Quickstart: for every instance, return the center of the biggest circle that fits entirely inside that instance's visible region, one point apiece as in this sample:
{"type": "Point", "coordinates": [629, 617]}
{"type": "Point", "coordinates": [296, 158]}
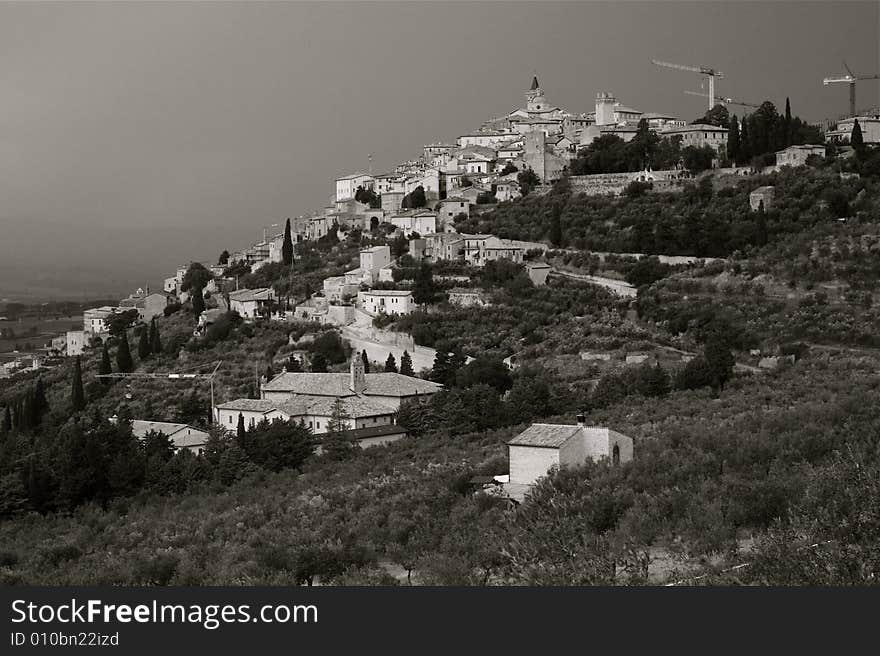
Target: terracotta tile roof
{"type": "Point", "coordinates": [339, 384]}
{"type": "Point", "coordinates": [249, 405]}
{"type": "Point", "coordinates": [310, 383]}
{"type": "Point", "coordinates": [554, 435]}
{"type": "Point", "coordinates": [388, 292]}
{"type": "Point", "coordinates": [356, 407]}
{"type": "Point", "coordinates": [245, 295]}
{"type": "Point", "coordinates": [545, 435]}
{"type": "Point", "coordinates": [301, 405]}
{"type": "Point", "coordinates": [181, 435]}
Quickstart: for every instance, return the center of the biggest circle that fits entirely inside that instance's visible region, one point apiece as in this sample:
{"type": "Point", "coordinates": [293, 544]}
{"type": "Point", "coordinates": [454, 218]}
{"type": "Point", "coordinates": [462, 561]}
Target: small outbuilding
{"type": "Point", "coordinates": [762, 194]}
{"type": "Point", "coordinates": [539, 448]}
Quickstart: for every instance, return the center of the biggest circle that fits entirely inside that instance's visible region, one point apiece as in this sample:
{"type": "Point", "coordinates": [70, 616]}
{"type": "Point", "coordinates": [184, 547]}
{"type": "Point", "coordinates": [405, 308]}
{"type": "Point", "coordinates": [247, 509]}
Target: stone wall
{"type": "Point", "coordinates": [614, 183]}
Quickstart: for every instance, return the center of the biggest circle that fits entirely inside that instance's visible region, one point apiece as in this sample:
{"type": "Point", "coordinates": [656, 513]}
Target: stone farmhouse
{"type": "Point", "coordinates": [480, 249]}
{"type": "Point", "coordinates": [699, 134]}
{"type": "Point", "coordinates": [183, 436]}
{"type": "Point", "coordinates": [797, 155]}
{"type": "Point", "coordinates": [148, 305]}
{"type": "Point", "coordinates": [388, 388]}
{"type": "Point", "coordinates": [253, 303]}
{"type": "Point", "coordinates": [370, 400]}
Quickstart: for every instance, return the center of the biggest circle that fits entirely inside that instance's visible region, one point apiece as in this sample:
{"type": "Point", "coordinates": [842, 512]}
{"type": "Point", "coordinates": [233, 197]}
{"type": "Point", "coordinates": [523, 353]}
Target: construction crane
{"type": "Point", "coordinates": [710, 74]}
{"type": "Point", "coordinates": [174, 376]}
{"type": "Point", "coordinates": [850, 78]}
{"type": "Point", "coordinates": [721, 100]}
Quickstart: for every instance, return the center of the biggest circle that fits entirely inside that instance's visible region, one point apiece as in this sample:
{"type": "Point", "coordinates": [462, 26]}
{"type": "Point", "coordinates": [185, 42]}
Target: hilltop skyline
{"type": "Point", "coordinates": [175, 131]}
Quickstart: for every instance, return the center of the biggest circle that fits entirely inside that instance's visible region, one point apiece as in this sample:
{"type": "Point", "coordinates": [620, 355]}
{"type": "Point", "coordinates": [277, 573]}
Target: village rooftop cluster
{"type": "Point", "coordinates": [422, 200]}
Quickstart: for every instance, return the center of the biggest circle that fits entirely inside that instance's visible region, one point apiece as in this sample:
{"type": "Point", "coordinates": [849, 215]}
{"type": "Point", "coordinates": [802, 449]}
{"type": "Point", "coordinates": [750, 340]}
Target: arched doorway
{"type": "Point", "coordinates": [615, 455]}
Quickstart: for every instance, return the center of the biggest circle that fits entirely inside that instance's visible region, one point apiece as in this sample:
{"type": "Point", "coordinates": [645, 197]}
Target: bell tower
{"type": "Point", "coordinates": [535, 100]}
{"type": "Point", "coordinates": [358, 376]}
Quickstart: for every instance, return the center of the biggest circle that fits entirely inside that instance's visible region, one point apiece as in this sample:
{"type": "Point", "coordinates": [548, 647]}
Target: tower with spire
{"type": "Point", "coordinates": [536, 102]}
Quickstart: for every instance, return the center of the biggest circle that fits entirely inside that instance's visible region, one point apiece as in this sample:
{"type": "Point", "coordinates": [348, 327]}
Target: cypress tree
{"type": "Point", "coordinates": [143, 345]}
{"type": "Point", "coordinates": [105, 367]}
{"type": "Point", "coordinates": [440, 370]}
{"type": "Point", "coordinates": [40, 404]}
{"type": "Point", "coordinates": [335, 443]}
{"type": "Point", "coordinates": [7, 420]}
{"type": "Point", "coordinates": [391, 364]}
{"type": "Point", "coordinates": [198, 301]}
{"type": "Point", "coordinates": [733, 147]}
{"type": "Point", "coordinates": [406, 367]}
{"type": "Point", "coordinates": [745, 146]}
{"type": "Point", "coordinates": [287, 246]}
{"type": "Point", "coordinates": [240, 431]}
{"type": "Point", "coordinates": [856, 140]}
{"type": "Point", "coordinates": [25, 412]}
{"type": "Point", "coordinates": [761, 226]}
{"type": "Point", "coordinates": [77, 394]}
{"type": "Point", "coordinates": [423, 285]}
{"type": "Point", "coordinates": [155, 339]}
{"type": "Point", "coordinates": [556, 226]}
{"type": "Point", "coordinates": [787, 123]}
{"type": "Point", "coordinates": [366, 361]}
{"type": "Point", "coordinates": [124, 362]}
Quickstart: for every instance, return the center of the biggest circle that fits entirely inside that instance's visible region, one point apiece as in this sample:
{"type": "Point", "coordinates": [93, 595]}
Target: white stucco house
{"type": "Point", "coordinates": [347, 185]}
{"type": "Point", "coordinates": [541, 447]}
{"type": "Point", "coordinates": [389, 301]}
{"type": "Point", "coordinates": [420, 221]}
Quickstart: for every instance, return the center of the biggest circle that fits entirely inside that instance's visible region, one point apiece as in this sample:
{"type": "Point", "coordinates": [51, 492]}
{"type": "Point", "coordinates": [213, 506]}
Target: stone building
{"type": "Point", "coordinates": [539, 448]}
{"type": "Point", "coordinates": [760, 195]}
{"type": "Point", "coordinates": [797, 155]}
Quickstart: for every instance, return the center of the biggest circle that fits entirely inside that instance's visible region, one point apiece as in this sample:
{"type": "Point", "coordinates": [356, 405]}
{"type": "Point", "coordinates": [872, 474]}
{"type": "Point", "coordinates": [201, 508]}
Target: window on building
{"type": "Point", "coordinates": [615, 455]}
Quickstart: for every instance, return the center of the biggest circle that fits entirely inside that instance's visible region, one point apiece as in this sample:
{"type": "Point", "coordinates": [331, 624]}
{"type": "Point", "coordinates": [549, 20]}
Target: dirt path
{"type": "Point", "coordinates": [619, 287]}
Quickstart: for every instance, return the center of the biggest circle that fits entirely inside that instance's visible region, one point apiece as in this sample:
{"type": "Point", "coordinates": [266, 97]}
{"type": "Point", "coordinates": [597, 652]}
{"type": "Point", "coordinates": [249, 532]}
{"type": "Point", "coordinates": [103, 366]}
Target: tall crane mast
{"type": "Point", "coordinates": [850, 78]}
{"type": "Point", "coordinates": [172, 376]}
{"type": "Point", "coordinates": [710, 74]}
{"type": "Point", "coordinates": [721, 100]}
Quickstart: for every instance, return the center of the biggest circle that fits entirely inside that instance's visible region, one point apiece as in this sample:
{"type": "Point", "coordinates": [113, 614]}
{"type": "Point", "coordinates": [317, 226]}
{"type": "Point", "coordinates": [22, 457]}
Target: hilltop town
{"type": "Point", "coordinates": [560, 322]}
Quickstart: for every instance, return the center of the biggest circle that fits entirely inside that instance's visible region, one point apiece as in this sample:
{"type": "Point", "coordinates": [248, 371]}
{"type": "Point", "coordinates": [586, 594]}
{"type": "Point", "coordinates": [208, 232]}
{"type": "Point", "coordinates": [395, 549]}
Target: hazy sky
{"type": "Point", "coordinates": [134, 137]}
